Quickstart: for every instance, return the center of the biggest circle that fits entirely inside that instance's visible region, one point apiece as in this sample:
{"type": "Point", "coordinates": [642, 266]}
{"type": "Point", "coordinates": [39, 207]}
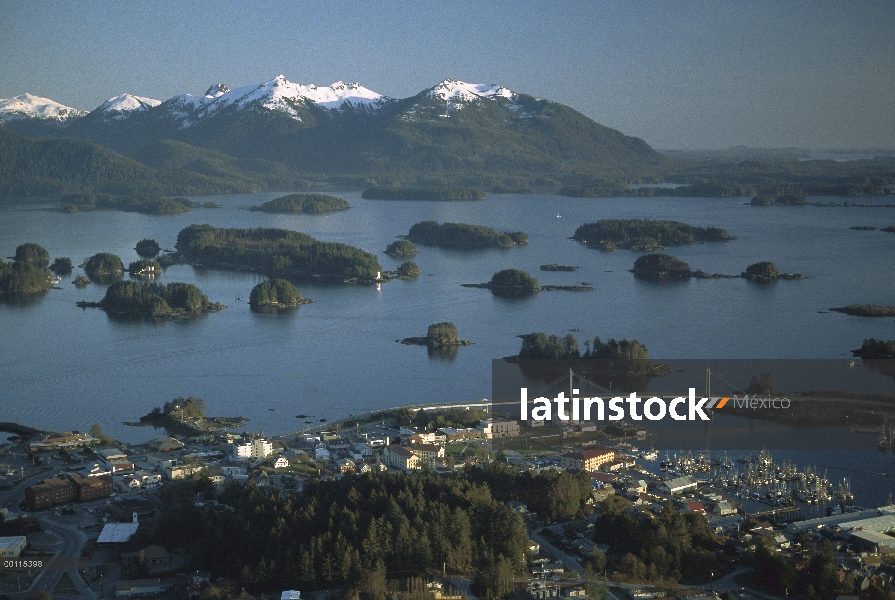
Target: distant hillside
{"type": "Point", "coordinates": [44, 167]}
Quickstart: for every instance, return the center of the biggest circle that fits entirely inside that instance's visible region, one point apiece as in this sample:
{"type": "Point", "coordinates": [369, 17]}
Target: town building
{"type": "Point", "coordinates": [51, 492]}
{"type": "Point", "coordinates": [492, 429]}
{"type": "Point", "coordinates": [587, 460]}
{"type": "Point", "coordinates": [66, 441]}
{"type": "Point", "coordinates": [11, 547]}
{"type": "Point", "coordinates": [679, 485]}
{"type": "Point", "coordinates": [91, 488]}
{"type": "Point", "coordinates": [396, 457]}
{"type": "Point", "coordinates": [427, 454]}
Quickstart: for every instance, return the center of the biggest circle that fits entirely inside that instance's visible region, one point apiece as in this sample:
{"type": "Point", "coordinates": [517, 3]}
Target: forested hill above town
{"type": "Point", "coordinates": [483, 135]}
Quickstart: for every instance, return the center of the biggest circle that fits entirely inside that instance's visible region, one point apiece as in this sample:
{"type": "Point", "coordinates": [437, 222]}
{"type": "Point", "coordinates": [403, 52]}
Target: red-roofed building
{"type": "Point", "coordinates": [696, 508]}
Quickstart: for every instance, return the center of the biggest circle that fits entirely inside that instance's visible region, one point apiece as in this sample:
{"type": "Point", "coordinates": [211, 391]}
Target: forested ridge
{"type": "Point", "coordinates": [355, 531]}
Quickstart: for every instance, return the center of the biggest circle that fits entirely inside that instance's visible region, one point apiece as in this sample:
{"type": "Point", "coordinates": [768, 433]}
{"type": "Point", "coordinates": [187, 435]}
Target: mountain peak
{"type": "Point", "coordinates": [450, 90]}
{"type": "Point", "coordinates": [34, 107]}
{"type": "Point", "coordinates": [217, 90]}
{"type": "Point", "coordinates": [127, 103]}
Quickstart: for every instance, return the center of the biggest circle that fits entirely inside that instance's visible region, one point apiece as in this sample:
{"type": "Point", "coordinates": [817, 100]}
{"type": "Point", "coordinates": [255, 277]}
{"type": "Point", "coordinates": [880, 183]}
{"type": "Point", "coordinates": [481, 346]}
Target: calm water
{"type": "Point", "coordinates": [65, 368]}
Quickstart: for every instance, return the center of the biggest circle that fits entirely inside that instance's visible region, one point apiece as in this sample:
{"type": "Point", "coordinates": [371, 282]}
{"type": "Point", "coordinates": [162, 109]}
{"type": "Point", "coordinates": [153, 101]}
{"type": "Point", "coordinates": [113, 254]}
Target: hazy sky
{"type": "Point", "coordinates": [679, 74]}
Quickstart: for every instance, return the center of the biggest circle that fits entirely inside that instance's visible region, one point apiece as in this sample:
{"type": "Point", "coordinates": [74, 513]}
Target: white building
{"type": "Point", "coordinates": [492, 429]}
{"type": "Point", "coordinates": [11, 547]}
{"type": "Point", "coordinates": [257, 449]}
{"type": "Point", "coordinates": [281, 463]}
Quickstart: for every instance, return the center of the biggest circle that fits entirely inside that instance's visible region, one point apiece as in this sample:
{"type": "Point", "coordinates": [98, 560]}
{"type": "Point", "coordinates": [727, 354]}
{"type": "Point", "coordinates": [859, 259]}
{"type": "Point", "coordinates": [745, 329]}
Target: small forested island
{"type": "Point", "coordinates": [33, 254]}
{"type": "Point", "coordinates": [276, 293]}
{"type": "Point", "coordinates": [174, 300]}
{"type": "Point", "coordinates": [150, 204]}
{"type": "Point", "coordinates": [518, 282]}
{"type": "Point", "coordinates": [767, 271]}
{"type": "Point", "coordinates": [103, 264]}
{"type": "Point", "coordinates": [792, 198]}
{"type": "Point", "coordinates": [889, 229]}
{"type": "Point", "coordinates": [866, 310]}
{"type": "Point", "coordinates": [303, 203]}
{"type": "Point", "coordinates": [26, 276]}
{"type": "Point", "coordinates": [439, 335]}
{"type": "Point", "coordinates": [539, 345]}
{"type": "Point", "coordinates": [401, 248]}
{"type": "Point", "coordinates": [665, 266]}
{"type": "Point", "coordinates": [186, 416]}
{"type": "Point", "coordinates": [661, 266]}
{"type": "Point", "coordinates": [558, 267]}
{"type": "Point", "coordinates": [874, 348]}
{"type": "Point", "coordinates": [61, 265]}
{"type": "Point", "coordinates": [275, 252]}
{"type": "Point", "coordinates": [148, 248]}
{"type": "Point", "coordinates": [448, 193]}
{"type": "Point", "coordinates": [145, 268]}
{"type": "Point", "coordinates": [81, 281]}
{"type": "Point", "coordinates": [408, 270]}
{"type": "Point", "coordinates": [462, 235]}
{"type": "Point", "coordinates": [645, 234]}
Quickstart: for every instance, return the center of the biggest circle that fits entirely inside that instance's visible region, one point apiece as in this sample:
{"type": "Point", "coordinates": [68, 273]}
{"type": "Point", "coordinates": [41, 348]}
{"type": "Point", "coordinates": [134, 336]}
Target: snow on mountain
{"type": "Point", "coordinates": [458, 91]}
{"type": "Point", "coordinates": [282, 95]}
{"type": "Point", "coordinates": [126, 103]}
{"type": "Point", "coordinates": [217, 90]}
{"type": "Point", "coordinates": [278, 94]}
{"type": "Point", "coordinates": [27, 106]}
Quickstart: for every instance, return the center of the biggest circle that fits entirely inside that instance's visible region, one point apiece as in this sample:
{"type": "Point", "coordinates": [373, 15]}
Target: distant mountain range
{"type": "Point", "coordinates": [280, 134]}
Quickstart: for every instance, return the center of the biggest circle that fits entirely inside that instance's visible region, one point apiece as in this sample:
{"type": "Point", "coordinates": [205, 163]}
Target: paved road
{"type": "Point", "coordinates": [70, 542]}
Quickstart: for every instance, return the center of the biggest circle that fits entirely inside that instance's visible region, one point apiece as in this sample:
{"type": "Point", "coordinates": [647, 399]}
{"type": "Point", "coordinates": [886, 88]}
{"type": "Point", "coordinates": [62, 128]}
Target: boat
{"type": "Point", "coordinates": [651, 454]}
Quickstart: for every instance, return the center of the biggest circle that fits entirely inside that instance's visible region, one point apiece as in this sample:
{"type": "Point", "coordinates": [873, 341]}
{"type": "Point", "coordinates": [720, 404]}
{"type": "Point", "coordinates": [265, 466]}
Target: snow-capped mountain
{"type": "Point", "coordinates": [345, 128]}
{"type": "Point", "coordinates": [277, 95]}
{"type": "Point", "coordinates": [27, 106]}
{"type": "Point", "coordinates": [119, 106]}
{"type": "Point", "coordinates": [458, 91]}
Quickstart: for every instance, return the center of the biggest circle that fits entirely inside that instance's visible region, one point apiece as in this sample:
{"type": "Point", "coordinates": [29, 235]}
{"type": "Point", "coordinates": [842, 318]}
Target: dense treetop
{"type": "Point", "coordinates": [454, 193]}
{"type": "Point", "coordinates": [33, 254]}
{"type": "Point", "coordinates": [61, 265]}
{"type": "Point", "coordinates": [408, 269]}
{"type": "Point", "coordinates": [461, 235]}
{"type": "Point", "coordinates": [443, 334]}
{"type": "Point", "coordinates": [23, 277]}
{"type": "Point", "coordinates": [303, 203]}
{"type": "Point", "coordinates": [276, 292]}
{"type": "Point", "coordinates": [401, 248]}
{"type": "Point", "coordinates": [763, 269]}
{"type": "Point", "coordinates": [539, 345]}
{"type": "Point", "coordinates": [661, 263]}
{"type": "Point", "coordinates": [103, 263]}
{"type": "Point", "coordinates": [153, 299]}
{"type": "Point", "coordinates": [147, 248]}
{"type": "Point", "coordinates": [514, 278]}
{"type": "Point", "coordinates": [343, 532]}
{"type": "Point", "coordinates": [646, 234]}
{"type": "Point", "coordinates": [276, 252]}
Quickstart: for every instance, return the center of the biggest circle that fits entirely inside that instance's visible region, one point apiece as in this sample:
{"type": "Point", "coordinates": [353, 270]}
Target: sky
{"type": "Point", "coordinates": [681, 74]}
